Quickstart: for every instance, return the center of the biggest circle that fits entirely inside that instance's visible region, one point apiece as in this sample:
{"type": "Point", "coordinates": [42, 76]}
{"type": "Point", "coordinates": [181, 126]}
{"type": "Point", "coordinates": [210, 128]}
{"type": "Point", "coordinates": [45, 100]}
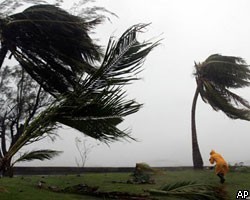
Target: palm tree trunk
{"type": "Point", "coordinates": [3, 52]}
{"type": "Point", "coordinates": [197, 159]}
{"type": "Point", "coordinates": [5, 167]}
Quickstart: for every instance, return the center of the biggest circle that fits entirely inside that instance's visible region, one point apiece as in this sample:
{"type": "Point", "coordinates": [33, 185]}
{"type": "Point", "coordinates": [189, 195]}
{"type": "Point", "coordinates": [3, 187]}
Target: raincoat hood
{"type": "Point", "coordinates": [212, 152]}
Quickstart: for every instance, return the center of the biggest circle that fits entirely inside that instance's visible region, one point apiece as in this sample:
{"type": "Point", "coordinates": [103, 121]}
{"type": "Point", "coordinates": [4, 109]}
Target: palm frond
{"type": "Point", "coordinates": [232, 105]}
{"type": "Point", "coordinates": [231, 59]}
{"type": "Point", "coordinates": [42, 124]}
{"type": "Point", "coordinates": [44, 154]}
{"type": "Point", "coordinates": [191, 190]}
{"type": "Point", "coordinates": [123, 59]}
{"type": "Point", "coordinates": [237, 99]}
{"type": "Point", "coordinates": [3, 189]}
{"type": "Point", "coordinates": [51, 44]}
{"type": "Point", "coordinates": [97, 115]}
{"type": "Point", "coordinates": [100, 104]}
{"type": "Point", "coordinates": [226, 71]}
{"type": "Point", "coordinates": [215, 76]}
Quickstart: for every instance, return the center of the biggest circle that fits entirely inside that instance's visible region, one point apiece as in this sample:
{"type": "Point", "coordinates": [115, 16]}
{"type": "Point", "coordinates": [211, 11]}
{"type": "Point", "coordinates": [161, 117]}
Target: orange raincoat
{"type": "Point", "coordinates": [221, 164]}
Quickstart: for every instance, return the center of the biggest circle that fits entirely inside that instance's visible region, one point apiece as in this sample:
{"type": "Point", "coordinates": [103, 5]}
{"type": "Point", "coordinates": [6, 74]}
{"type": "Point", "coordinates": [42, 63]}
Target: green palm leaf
{"type": "Point", "coordinates": [100, 116]}
{"type": "Point", "coordinates": [52, 45]}
{"type": "Point", "coordinates": [224, 71]}
{"type": "Point", "coordinates": [45, 154]}
{"type": "Point", "coordinates": [191, 190]}
{"type": "Point", "coordinates": [231, 104]}
{"type": "Point", "coordinates": [123, 59]}
{"type": "Point", "coordinates": [216, 76]}
{"type": "Point", "coordinates": [100, 104]}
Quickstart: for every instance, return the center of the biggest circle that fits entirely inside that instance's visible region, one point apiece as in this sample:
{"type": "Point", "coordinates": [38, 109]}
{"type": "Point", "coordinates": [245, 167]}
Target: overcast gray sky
{"type": "Point", "coordinates": [192, 30]}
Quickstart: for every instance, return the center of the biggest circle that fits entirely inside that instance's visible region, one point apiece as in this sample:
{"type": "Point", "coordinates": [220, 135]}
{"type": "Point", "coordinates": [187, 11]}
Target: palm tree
{"type": "Point", "coordinates": [214, 77]}
{"type": "Point", "coordinates": [97, 103]}
{"type": "Point", "coordinates": [55, 49]}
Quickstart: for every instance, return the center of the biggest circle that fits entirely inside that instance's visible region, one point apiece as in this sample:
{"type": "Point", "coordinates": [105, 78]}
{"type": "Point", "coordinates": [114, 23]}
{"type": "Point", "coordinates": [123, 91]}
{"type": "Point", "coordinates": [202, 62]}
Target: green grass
{"type": "Point", "coordinates": [25, 188]}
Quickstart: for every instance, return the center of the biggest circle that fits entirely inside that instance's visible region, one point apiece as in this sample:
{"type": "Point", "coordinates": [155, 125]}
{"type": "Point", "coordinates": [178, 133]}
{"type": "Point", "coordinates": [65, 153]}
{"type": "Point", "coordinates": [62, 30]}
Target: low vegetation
{"type": "Point", "coordinates": [47, 187]}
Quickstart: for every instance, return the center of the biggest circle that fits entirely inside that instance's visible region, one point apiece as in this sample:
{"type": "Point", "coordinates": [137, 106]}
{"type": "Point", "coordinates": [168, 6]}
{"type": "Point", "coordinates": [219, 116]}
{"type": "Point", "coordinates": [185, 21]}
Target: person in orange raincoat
{"type": "Point", "coordinates": [221, 167]}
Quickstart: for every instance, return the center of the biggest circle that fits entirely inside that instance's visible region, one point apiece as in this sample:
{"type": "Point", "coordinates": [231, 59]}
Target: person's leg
{"type": "Point", "coordinates": [221, 176]}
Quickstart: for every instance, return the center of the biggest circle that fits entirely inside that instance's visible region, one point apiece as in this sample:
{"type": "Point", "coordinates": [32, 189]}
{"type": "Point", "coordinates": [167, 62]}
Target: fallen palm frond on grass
{"type": "Point", "coordinates": [84, 189]}
{"type": "Point", "coordinates": [191, 190]}
{"type": "Point", "coordinates": [3, 189]}
{"type": "Point", "coordinates": [181, 190]}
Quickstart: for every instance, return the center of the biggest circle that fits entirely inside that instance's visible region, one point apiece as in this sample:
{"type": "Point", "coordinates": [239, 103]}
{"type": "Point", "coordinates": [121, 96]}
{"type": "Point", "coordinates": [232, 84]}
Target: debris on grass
{"type": "Point", "coordinates": [142, 174]}
{"type": "Point", "coordinates": [84, 189]}
{"type": "Point", "coordinates": [3, 189]}
{"type": "Point", "coordinates": [191, 190]}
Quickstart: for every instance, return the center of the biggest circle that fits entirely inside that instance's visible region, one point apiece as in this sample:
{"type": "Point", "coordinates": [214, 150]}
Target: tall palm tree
{"type": "Point", "coordinates": [215, 77]}
{"type": "Point", "coordinates": [98, 104]}
{"type": "Point", "coordinates": [55, 49]}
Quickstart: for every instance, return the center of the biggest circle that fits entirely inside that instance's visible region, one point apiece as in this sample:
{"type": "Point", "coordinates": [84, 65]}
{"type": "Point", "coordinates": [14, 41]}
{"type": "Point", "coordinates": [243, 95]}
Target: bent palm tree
{"type": "Point", "coordinates": [55, 49]}
{"type": "Point", "coordinates": [214, 77]}
{"type": "Point", "coordinates": [98, 104]}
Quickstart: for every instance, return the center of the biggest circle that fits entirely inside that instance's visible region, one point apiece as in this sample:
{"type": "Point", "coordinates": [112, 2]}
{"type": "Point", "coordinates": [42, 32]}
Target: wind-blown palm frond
{"type": "Point", "coordinates": [3, 189]}
{"type": "Point", "coordinates": [216, 76]}
{"type": "Point", "coordinates": [224, 71]}
{"type": "Point", "coordinates": [191, 190]}
{"type": "Point", "coordinates": [123, 59]}
{"type": "Point", "coordinates": [42, 124]}
{"type": "Point", "coordinates": [98, 104]}
{"type": "Point", "coordinates": [231, 104]}
{"type": "Point", "coordinates": [98, 117]}
{"type": "Point", "coordinates": [44, 154]}
{"type": "Point", "coordinates": [52, 45]}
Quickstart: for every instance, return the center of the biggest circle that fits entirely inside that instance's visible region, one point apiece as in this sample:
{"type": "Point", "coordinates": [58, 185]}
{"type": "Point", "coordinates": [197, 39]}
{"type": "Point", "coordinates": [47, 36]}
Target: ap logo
{"type": "Point", "coordinates": [243, 194]}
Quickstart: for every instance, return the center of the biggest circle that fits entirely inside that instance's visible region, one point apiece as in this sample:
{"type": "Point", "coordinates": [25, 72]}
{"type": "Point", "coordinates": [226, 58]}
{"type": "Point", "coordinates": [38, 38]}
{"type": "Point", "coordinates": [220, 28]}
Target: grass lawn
{"type": "Point", "coordinates": [25, 188]}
